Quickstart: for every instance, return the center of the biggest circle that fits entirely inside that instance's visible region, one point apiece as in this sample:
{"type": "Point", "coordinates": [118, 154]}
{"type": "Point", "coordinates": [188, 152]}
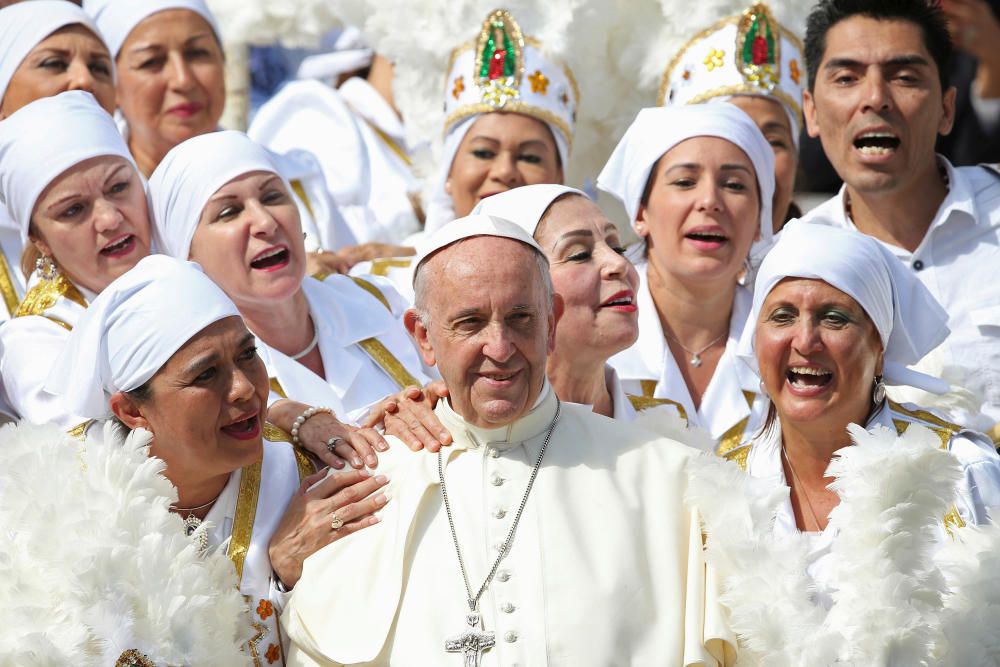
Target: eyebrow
{"type": "Point", "coordinates": [74, 194]}
{"type": "Point", "coordinates": [692, 165]}
{"type": "Point", "coordinates": [212, 356]}
{"type": "Point", "coordinates": [774, 126]}
{"type": "Point", "coordinates": [897, 61]}
{"type": "Point", "coordinates": [154, 47]}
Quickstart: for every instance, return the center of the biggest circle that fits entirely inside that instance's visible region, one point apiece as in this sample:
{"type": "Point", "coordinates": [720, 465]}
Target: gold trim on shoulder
{"type": "Point", "coordinates": [80, 430]}
{"type": "Point", "coordinates": [7, 288]}
{"type": "Point", "coordinates": [389, 363]}
{"type": "Point", "coordinates": [303, 463]}
{"type": "Point", "coordinates": [389, 142]}
{"type": "Point", "coordinates": [381, 266]}
{"type": "Point", "coordinates": [320, 275]}
{"type": "Point", "coordinates": [44, 295]}
{"type": "Point", "coordinates": [732, 438]}
{"type": "Point", "coordinates": [371, 289]}
{"type": "Point", "coordinates": [246, 513]}
{"type": "Point", "coordinates": [641, 403]}
{"type": "Point", "coordinates": [277, 388]}
{"type": "Point", "coordinates": [276, 433]}
{"type": "Point", "coordinates": [648, 387]}
{"type": "Point", "coordinates": [739, 456]}
{"type": "Point", "coordinates": [925, 416]}
{"type": "Point", "coordinates": [300, 192]}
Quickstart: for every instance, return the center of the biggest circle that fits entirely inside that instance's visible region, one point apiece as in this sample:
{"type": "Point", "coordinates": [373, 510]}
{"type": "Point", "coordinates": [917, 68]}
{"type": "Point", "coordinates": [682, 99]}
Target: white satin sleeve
{"type": "Point", "coordinates": [979, 490]}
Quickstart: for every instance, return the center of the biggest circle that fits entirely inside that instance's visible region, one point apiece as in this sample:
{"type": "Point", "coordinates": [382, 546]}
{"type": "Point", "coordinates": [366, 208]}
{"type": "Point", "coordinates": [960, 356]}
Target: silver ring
{"type": "Point", "coordinates": [336, 523]}
{"type": "Point", "coordinates": [332, 443]}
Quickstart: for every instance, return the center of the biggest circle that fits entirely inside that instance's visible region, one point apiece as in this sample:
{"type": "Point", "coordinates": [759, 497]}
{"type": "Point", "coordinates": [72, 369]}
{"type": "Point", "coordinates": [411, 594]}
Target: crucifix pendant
{"type": "Point", "coordinates": [472, 642]}
{"type": "Point", "coordinates": [695, 360]}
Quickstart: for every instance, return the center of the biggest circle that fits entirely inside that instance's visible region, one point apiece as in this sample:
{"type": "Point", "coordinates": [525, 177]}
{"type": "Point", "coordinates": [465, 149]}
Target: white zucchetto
{"type": "Point", "coordinates": [25, 24]}
{"type": "Point", "coordinates": [190, 174]}
{"type": "Point", "coordinates": [468, 227]}
{"type": "Point", "coordinates": [43, 139]}
{"type": "Point", "coordinates": [132, 329]}
{"type": "Point", "coordinates": [656, 130]}
{"type": "Point", "coordinates": [525, 206]}
{"type": "Point", "coordinates": [117, 18]}
{"type": "Point", "coordinates": [909, 320]}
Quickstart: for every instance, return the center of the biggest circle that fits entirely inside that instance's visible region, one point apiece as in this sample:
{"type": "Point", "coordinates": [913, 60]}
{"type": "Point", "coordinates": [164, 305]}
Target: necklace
{"type": "Point", "coordinates": [309, 348]}
{"type": "Point", "coordinates": [191, 523]}
{"type": "Point", "coordinates": [474, 641]}
{"type": "Point", "coordinates": [695, 359]}
{"type": "Point", "coordinates": [804, 494]}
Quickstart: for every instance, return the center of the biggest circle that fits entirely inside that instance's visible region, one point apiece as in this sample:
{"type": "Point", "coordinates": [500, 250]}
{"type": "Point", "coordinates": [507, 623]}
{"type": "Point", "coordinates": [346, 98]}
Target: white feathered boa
{"type": "Point", "coordinates": [94, 564]}
{"type": "Point", "coordinates": [904, 598]}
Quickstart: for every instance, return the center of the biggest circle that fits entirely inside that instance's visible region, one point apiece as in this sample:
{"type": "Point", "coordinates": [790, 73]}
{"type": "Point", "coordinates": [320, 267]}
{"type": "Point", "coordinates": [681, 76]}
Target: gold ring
{"type": "Point", "coordinates": [336, 522]}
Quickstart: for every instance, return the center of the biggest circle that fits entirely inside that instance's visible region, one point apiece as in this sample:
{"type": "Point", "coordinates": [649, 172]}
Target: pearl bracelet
{"type": "Point", "coordinates": [301, 419]}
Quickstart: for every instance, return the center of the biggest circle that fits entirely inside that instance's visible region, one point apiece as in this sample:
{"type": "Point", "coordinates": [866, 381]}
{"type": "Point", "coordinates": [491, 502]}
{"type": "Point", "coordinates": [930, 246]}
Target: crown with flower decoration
{"type": "Point", "coordinates": [504, 70]}
{"type": "Point", "coordinates": [744, 54]}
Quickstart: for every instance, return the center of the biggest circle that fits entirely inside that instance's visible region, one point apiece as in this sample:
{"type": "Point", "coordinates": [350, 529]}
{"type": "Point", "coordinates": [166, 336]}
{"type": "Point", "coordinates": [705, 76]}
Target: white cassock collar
{"type": "Point", "coordinates": [531, 425]}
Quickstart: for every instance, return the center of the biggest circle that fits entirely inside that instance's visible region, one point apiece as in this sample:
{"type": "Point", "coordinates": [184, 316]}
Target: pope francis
{"type": "Point", "coordinates": [545, 535]}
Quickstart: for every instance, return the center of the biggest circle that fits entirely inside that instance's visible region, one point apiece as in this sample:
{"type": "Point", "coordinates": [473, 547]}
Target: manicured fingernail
{"type": "Point", "coordinates": [381, 479]}
{"type": "Point", "coordinates": [382, 447]}
{"type": "Point", "coordinates": [373, 520]}
{"type": "Point", "coordinates": [371, 461]}
{"type": "Point", "coordinates": [442, 436]}
{"type": "Point", "coordinates": [356, 462]}
{"type": "Point", "coordinates": [381, 499]}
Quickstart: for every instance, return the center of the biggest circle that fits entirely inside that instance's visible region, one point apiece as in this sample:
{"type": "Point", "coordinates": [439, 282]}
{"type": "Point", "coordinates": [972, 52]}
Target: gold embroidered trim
{"type": "Point", "coordinates": [64, 324]}
{"type": "Point", "coordinates": [374, 291]}
{"type": "Point", "coordinates": [80, 430]}
{"type": "Point", "coordinates": [390, 364]}
{"type": "Point", "coordinates": [276, 433]}
{"type": "Point", "coordinates": [303, 463]}
{"type": "Point", "coordinates": [44, 295]}
{"type": "Point", "coordinates": [389, 141]}
{"type": "Point", "coordinates": [381, 266]}
{"type": "Point", "coordinates": [739, 456]}
{"type": "Point", "coordinates": [945, 431]}
{"type": "Point", "coordinates": [648, 387]}
{"type": "Point", "coordinates": [133, 658]}
{"type": "Point", "coordinates": [300, 192]}
{"type": "Point", "coordinates": [924, 415]}
{"type": "Point", "coordinates": [7, 286]}
{"type": "Point", "coordinates": [641, 403]}
{"type": "Point", "coordinates": [514, 106]}
{"type": "Point", "coordinates": [320, 275]}
{"type": "Point", "coordinates": [732, 438]}
{"type": "Point", "coordinates": [277, 388]}
{"type": "Point", "coordinates": [246, 513]}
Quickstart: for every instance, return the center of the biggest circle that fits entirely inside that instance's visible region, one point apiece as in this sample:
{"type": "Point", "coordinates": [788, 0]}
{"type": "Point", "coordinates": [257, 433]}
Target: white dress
{"type": "Point", "coordinates": [732, 407]}
{"type": "Point", "coordinates": [12, 282]}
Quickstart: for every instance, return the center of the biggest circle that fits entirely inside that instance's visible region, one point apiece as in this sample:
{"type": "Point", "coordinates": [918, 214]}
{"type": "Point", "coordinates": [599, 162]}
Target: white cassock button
{"type": "Point", "coordinates": [510, 637]}
{"type": "Point", "coordinates": [508, 608]}
{"type": "Point", "coordinates": [504, 575]}
{"type": "Point", "coordinates": [494, 452]}
{"type": "Point", "coordinates": [499, 513]}
{"type": "Point", "coordinates": [497, 480]}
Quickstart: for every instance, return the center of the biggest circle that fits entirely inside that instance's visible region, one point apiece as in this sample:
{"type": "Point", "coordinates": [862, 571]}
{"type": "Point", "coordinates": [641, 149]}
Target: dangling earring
{"type": "Point", "coordinates": [46, 268]}
{"type": "Point", "coordinates": [878, 391]}
{"type": "Point", "coordinates": [763, 389]}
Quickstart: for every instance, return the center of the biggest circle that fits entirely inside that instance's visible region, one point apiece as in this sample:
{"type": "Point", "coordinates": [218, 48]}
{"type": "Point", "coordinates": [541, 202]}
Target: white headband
{"type": "Point", "coordinates": [190, 174]}
{"type": "Point", "coordinates": [524, 206]}
{"type": "Point", "coordinates": [118, 18]}
{"type": "Point", "coordinates": [25, 24]}
{"type": "Point", "coordinates": [909, 320]}
{"type": "Point", "coordinates": [657, 130]}
{"type": "Point", "coordinates": [43, 139]}
{"type": "Point", "coordinates": [132, 329]}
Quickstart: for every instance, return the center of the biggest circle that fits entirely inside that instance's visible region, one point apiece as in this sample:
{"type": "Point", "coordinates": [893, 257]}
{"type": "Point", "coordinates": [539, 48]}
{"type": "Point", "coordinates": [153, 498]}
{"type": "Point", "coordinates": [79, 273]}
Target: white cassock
{"type": "Point", "coordinates": [732, 408]}
{"type": "Point", "coordinates": [12, 282]}
{"type": "Point", "coordinates": [605, 568]}
{"type": "Point", "coordinates": [961, 245]}
{"type": "Point", "coordinates": [32, 341]}
{"type": "Point", "coordinates": [361, 150]}
{"type": "Point", "coordinates": [243, 520]}
{"type": "Point", "coordinates": [367, 353]}
{"type": "Point", "coordinates": [978, 492]}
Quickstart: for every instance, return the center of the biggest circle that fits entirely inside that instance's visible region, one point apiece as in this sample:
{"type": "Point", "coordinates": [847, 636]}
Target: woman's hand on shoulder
{"type": "Point", "coordinates": [327, 438]}
{"type": "Point", "coordinates": [409, 416]}
{"type": "Point", "coordinates": [323, 510]}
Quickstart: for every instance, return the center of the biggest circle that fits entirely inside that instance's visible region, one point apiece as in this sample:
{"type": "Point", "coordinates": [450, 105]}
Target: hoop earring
{"type": "Point", "coordinates": [878, 391]}
{"type": "Point", "coordinates": [46, 268]}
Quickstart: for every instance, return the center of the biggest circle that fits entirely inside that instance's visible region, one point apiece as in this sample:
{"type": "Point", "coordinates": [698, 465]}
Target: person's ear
{"type": "Point", "coordinates": [128, 411]}
{"type": "Point", "coordinates": [558, 308]}
{"type": "Point", "coordinates": [417, 329]}
{"type": "Point", "coordinates": [809, 113]}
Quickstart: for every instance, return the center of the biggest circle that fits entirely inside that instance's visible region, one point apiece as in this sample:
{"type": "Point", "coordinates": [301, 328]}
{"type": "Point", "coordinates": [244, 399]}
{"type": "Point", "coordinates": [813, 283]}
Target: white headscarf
{"type": "Point", "coordinates": [190, 174]}
{"type": "Point", "coordinates": [441, 207]}
{"type": "Point", "coordinates": [656, 130]}
{"type": "Point", "coordinates": [525, 206]}
{"type": "Point", "coordinates": [117, 18]}
{"type": "Point", "coordinates": [909, 320]}
{"type": "Point", "coordinates": [45, 138]}
{"type": "Point", "coordinates": [132, 329]}
{"type": "Point", "coordinates": [350, 53]}
{"type": "Point", "coordinates": [25, 24]}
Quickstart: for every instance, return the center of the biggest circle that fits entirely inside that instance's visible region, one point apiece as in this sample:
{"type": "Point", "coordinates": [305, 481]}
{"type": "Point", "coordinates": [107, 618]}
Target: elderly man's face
{"type": "Point", "coordinates": [490, 328]}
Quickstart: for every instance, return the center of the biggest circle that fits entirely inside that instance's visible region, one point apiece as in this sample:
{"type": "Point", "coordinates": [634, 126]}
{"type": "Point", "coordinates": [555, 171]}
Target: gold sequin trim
{"type": "Point", "coordinates": [277, 388]}
{"type": "Point", "coordinates": [320, 275]}
{"type": "Point", "coordinates": [44, 295]}
{"type": "Point", "coordinates": [739, 456]}
{"type": "Point", "coordinates": [374, 291]}
{"type": "Point", "coordinates": [733, 438]}
{"type": "Point", "coordinates": [80, 430]}
{"type": "Point", "coordinates": [641, 403]}
{"type": "Point", "coordinates": [276, 433]}
{"type": "Point", "coordinates": [303, 463]}
{"type": "Point", "coordinates": [7, 286]}
{"type": "Point", "coordinates": [945, 431]}
{"type": "Point", "coordinates": [132, 658]}
{"type": "Point", "coordinates": [390, 364]}
{"type": "Point", "coordinates": [246, 513]}
{"type": "Point", "coordinates": [300, 192]}
{"type": "Point", "coordinates": [648, 387]}
{"type": "Point", "coordinates": [381, 266]}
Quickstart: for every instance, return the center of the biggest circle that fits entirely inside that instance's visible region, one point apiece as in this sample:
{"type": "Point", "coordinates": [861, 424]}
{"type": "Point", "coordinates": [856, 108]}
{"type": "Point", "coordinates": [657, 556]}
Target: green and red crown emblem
{"type": "Point", "coordinates": [499, 59]}
{"type": "Point", "coordinates": [757, 43]}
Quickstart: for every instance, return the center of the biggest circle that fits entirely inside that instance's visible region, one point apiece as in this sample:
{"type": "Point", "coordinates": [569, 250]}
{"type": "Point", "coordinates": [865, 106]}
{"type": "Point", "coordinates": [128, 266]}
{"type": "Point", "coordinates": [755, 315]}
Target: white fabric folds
{"type": "Point", "coordinates": [132, 329]}
{"type": "Point", "coordinates": [468, 227]}
{"type": "Point", "coordinates": [525, 206]}
{"type": "Point", "coordinates": [909, 320]}
{"type": "Point", "coordinates": [25, 24]}
{"type": "Point", "coordinates": [45, 138]}
{"type": "Point", "coordinates": [656, 130]}
{"type": "Point", "coordinates": [117, 18]}
{"type": "Point", "coordinates": [190, 174]}
{"type": "Point", "coordinates": [350, 53]}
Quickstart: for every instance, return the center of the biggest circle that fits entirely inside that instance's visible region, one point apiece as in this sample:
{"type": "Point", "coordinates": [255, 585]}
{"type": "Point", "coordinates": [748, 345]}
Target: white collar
{"type": "Point", "coordinates": [370, 105]}
{"type": "Point", "coordinates": [534, 423]}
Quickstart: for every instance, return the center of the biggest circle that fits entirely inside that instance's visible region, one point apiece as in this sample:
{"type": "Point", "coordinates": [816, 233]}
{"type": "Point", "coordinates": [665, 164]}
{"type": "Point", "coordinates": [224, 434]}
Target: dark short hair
{"type": "Point", "coordinates": [926, 14]}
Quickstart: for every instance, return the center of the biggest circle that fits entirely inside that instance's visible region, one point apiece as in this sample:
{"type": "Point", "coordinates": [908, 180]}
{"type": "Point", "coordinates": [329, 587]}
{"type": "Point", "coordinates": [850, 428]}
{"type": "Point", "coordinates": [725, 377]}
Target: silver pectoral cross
{"type": "Point", "coordinates": [472, 642]}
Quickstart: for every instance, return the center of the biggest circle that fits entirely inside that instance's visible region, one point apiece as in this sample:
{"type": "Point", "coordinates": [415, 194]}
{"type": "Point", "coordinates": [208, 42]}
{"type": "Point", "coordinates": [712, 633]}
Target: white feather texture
{"type": "Point", "coordinates": [904, 593]}
{"type": "Point", "coordinates": [95, 564]}
{"type": "Point", "coordinates": [666, 421]}
{"type": "Point", "coordinates": [300, 23]}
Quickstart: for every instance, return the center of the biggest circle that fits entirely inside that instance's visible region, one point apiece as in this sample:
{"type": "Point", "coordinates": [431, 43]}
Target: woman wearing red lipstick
{"type": "Point", "coordinates": [697, 183]}
{"type": "Point", "coordinates": [179, 381]}
{"type": "Point", "coordinates": [218, 200]}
